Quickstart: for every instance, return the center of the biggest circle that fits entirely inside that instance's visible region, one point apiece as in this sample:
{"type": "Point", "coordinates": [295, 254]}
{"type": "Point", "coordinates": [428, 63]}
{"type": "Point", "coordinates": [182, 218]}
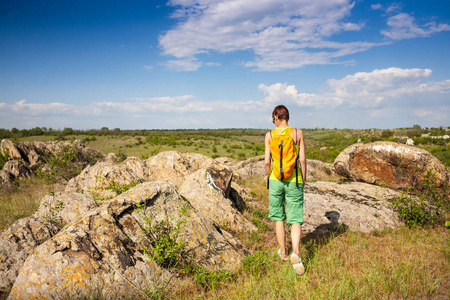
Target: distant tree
{"type": "Point", "coordinates": [67, 131]}
{"type": "Point", "coordinates": [386, 134]}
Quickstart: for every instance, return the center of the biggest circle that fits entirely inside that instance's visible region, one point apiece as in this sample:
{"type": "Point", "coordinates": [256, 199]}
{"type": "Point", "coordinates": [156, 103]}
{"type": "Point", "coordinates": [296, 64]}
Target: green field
{"type": "Point", "coordinates": [240, 144]}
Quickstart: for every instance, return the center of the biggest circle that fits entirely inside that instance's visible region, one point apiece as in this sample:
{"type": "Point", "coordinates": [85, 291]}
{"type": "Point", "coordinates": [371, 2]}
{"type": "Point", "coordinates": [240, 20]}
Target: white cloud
{"type": "Point", "coordinates": [282, 35]}
{"type": "Point", "coordinates": [381, 98]}
{"type": "Point", "coordinates": [184, 64]}
{"type": "Point", "coordinates": [376, 6]}
{"type": "Point", "coordinates": [362, 89]}
{"type": "Point", "coordinates": [404, 26]}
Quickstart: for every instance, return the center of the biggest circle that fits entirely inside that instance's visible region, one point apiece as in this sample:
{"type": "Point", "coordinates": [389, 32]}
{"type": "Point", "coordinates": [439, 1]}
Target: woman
{"type": "Point", "coordinates": [287, 191]}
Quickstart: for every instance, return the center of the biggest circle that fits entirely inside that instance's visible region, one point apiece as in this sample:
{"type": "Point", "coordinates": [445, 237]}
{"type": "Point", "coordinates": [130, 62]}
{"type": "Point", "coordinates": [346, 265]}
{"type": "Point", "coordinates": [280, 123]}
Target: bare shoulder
{"type": "Point", "coordinates": [268, 136]}
{"type": "Point", "coordinates": [298, 134]}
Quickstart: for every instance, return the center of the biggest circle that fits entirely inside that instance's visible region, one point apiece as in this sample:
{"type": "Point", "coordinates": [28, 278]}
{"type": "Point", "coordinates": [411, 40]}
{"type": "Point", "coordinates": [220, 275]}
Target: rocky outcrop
{"type": "Point", "coordinates": [75, 247]}
{"type": "Point", "coordinates": [27, 157]}
{"type": "Point", "coordinates": [104, 248]}
{"type": "Point", "coordinates": [395, 165]}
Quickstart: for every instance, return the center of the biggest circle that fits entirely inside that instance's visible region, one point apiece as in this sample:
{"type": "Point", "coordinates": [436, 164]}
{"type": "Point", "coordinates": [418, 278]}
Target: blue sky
{"type": "Point", "coordinates": [224, 64]}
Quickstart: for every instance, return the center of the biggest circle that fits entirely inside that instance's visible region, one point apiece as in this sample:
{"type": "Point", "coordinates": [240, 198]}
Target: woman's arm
{"type": "Point", "coordinates": [302, 154]}
{"type": "Point", "coordinates": [267, 154]}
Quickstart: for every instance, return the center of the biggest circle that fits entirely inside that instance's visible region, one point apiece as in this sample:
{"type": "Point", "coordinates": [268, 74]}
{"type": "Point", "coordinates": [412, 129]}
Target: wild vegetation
{"type": "Point", "coordinates": [322, 144]}
{"type": "Point", "coordinates": [411, 262]}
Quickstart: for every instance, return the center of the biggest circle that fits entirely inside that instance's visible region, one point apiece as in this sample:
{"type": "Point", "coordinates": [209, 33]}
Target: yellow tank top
{"type": "Point", "coordinates": [299, 170]}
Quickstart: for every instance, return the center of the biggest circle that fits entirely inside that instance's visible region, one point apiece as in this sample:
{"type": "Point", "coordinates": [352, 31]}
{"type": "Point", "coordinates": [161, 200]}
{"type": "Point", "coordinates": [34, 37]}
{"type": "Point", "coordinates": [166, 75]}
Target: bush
{"type": "Point", "coordinates": [424, 205]}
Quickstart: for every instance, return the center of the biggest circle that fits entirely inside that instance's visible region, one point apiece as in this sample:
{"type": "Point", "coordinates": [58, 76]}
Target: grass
{"type": "Point", "coordinates": [22, 200]}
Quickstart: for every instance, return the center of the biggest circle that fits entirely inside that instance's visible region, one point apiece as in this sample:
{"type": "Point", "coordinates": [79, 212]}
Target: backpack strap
{"type": "Point", "coordinates": [296, 160]}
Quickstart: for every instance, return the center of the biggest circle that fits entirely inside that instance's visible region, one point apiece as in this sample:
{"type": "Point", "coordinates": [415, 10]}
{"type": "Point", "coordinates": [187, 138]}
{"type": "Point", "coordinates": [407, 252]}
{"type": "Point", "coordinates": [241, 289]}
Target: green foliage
{"type": "Point", "coordinates": [120, 188]}
{"type": "Point", "coordinates": [167, 249]}
{"type": "Point", "coordinates": [424, 205]}
{"type": "Point", "coordinates": [55, 210]}
{"type": "Point", "coordinates": [3, 159]}
{"type": "Point", "coordinates": [62, 165]}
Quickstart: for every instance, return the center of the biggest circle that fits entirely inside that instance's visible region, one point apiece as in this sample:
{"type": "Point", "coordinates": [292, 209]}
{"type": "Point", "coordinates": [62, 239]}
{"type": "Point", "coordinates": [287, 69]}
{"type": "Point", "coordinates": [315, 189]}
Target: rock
{"type": "Point", "coordinates": [5, 178]}
{"type": "Point", "coordinates": [356, 206]}
{"type": "Point", "coordinates": [317, 170]}
{"type": "Point", "coordinates": [17, 169]}
{"type": "Point", "coordinates": [99, 180]}
{"type": "Point", "coordinates": [393, 164]}
{"type": "Point", "coordinates": [198, 161]}
{"type": "Point", "coordinates": [17, 242]}
{"type": "Point", "coordinates": [251, 167]}
{"type": "Point", "coordinates": [20, 239]}
{"type": "Point", "coordinates": [64, 207]}
{"type": "Point", "coordinates": [169, 166]}
{"type": "Point", "coordinates": [9, 149]}
{"type": "Point", "coordinates": [209, 191]}
{"type": "Point", "coordinates": [103, 250]}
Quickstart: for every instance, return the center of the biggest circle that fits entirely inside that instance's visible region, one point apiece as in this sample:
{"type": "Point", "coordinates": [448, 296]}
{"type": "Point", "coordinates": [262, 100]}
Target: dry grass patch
{"type": "Point", "coordinates": [22, 200]}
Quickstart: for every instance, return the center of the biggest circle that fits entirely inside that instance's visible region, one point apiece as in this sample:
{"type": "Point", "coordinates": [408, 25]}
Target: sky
{"type": "Point", "coordinates": [190, 64]}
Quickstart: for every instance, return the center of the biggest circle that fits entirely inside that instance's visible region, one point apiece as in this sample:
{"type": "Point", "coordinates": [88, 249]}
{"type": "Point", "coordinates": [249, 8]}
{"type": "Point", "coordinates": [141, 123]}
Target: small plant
{"type": "Point", "coordinates": [54, 210]}
{"type": "Point", "coordinates": [120, 188]}
{"type": "Point", "coordinates": [167, 249]}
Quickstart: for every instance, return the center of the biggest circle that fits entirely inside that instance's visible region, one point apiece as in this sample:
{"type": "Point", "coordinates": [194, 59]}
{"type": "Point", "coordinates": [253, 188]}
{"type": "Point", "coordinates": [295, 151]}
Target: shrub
{"type": "Point", "coordinates": [424, 205]}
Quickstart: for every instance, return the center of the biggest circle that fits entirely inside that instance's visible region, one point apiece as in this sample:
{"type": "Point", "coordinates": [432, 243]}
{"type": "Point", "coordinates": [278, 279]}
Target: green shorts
{"type": "Point", "coordinates": [281, 192]}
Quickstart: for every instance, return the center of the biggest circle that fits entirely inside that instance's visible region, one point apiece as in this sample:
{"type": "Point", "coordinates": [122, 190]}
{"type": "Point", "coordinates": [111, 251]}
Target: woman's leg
{"type": "Point", "coordinates": [281, 236]}
{"type": "Point", "coordinates": [296, 234]}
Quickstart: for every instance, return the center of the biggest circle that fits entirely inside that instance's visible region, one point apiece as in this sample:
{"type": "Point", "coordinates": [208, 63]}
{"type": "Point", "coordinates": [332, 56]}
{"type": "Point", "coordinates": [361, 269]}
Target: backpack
{"type": "Point", "coordinates": [283, 154]}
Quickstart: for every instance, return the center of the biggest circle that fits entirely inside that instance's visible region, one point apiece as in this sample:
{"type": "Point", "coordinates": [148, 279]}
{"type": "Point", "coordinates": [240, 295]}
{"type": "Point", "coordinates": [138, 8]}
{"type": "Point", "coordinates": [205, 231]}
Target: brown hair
{"type": "Point", "coordinates": [281, 112]}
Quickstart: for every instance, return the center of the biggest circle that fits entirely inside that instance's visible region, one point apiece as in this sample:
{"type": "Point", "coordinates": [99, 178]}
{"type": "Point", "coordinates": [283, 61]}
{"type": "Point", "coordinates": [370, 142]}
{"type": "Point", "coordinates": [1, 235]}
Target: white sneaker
{"type": "Point", "coordinates": [281, 256]}
{"type": "Point", "coordinates": [297, 264]}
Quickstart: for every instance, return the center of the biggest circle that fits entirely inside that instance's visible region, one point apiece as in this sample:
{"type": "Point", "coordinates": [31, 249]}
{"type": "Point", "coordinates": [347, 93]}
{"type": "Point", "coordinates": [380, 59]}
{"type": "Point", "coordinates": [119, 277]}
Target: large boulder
{"type": "Point", "coordinates": [104, 250]}
{"type": "Point", "coordinates": [395, 165]}
{"type": "Point", "coordinates": [355, 206]}
{"type": "Point", "coordinates": [19, 240]}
